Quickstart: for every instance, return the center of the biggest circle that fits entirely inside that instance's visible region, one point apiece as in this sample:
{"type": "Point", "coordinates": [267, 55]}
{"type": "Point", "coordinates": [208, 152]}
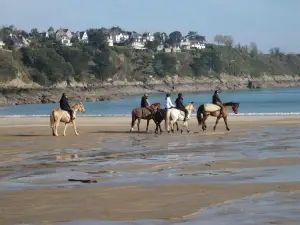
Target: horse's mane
{"type": "Point", "coordinates": [230, 103]}
{"type": "Point", "coordinates": [157, 103]}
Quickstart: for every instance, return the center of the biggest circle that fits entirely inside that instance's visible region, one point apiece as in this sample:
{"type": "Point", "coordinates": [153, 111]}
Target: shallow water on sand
{"type": "Point", "coordinates": [47, 168]}
{"type": "Point", "coordinates": [269, 208]}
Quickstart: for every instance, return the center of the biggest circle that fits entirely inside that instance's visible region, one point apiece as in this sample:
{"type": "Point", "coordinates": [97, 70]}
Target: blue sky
{"type": "Point", "coordinates": [268, 23]}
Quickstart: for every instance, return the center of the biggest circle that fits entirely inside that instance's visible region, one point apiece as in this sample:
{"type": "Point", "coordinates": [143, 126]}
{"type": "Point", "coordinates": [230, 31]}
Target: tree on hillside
{"type": "Point", "coordinates": [191, 35]}
{"type": "Point", "coordinates": [157, 36]}
{"type": "Point", "coordinates": [200, 38]}
{"type": "Point", "coordinates": [174, 37]}
{"type": "Point", "coordinates": [97, 38]}
{"type": "Point", "coordinates": [228, 40]}
{"type": "Point", "coordinates": [253, 50]}
{"type": "Point", "coordinates": [219, 39]}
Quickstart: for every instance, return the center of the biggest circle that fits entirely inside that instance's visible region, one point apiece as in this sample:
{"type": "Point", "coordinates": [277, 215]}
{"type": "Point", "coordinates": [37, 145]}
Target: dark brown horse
{"type": "Point", "coordinates": [159, 116]}
{"type": "Point", "coordinates": [207, 110]}
{"type": "Point", "coordinates": [143, 113]}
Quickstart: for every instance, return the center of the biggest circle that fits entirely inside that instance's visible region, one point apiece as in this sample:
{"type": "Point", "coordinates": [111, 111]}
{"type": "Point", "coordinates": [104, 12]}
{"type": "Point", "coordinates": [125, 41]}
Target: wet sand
{"type": "Point", "coordinates": [144, 176]}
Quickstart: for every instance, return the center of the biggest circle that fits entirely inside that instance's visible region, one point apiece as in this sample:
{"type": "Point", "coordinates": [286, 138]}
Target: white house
{"type": "Point", "coordinates": [119, 37]}
{"type": "Point", "coordinates": [64, 36]}
{"type": "Point", "coordinates": [136, 44]}
{"type": "Point", "coordinates": [185, 43]}
{"type": "Point", "coordinates": [197, 45]}
{"type": "Point", "coordinates": [83, 37]}
{"type": "Point", "coordinates": [110, 40]}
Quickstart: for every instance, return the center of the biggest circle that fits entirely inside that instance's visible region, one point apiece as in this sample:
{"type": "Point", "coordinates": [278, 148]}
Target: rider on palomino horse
{"type": "Point", "coordinates": [146, 104]}
{"type": "Point", "coordinates": [217, 101]}
{"type": "Point", "coordinates": [64, 105]}
{"type": "Point", "coordinates": [180, 106]}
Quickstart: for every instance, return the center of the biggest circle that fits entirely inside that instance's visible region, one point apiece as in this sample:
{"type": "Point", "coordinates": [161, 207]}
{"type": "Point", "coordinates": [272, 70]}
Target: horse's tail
{"type": "Point", "coordinates": [167, 118]}
{"type": "Point", "coordinates": [52, 119]}
{"type": "Point", "coordinates": [199, 114]}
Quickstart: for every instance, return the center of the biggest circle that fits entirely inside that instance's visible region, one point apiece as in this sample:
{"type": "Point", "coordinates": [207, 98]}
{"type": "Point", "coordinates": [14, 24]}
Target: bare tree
{"type": "Point", "coordinates": [219, 39]}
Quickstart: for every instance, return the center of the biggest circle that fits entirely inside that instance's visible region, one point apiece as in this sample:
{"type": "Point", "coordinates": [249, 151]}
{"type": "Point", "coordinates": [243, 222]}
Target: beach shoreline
{"type": "Point", "coordinates": [140, 168]}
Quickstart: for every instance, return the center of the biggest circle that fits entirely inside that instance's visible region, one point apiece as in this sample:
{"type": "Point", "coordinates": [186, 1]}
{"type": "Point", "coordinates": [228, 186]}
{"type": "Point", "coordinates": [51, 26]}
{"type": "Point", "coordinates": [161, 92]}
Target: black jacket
{"type": "Point", "coordinates": [179, 103]}
{"type": "Point", "coordinates": [216, 99]}
{"type": "Point", "coordinates": [64, 104]}
{"type": "Point", "coordinates": [144, 102]}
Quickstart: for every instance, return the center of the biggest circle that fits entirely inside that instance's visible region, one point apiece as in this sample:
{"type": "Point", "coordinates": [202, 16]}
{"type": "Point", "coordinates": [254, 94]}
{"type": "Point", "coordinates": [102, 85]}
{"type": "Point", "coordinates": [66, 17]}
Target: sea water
{"type": "Point", "coordinates": [279, 101]}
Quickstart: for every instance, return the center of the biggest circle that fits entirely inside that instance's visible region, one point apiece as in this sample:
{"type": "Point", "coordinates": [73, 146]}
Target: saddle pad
{"type": "Point", "coordinates": [211, 107]}
{"type": "Point", "coordinates": [67, 114]}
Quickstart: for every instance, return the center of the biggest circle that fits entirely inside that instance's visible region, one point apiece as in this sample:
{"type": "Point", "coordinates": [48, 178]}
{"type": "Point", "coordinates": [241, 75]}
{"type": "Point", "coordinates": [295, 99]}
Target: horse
{"type": "Point", "coordinates": [173, 115]}
{"type": "Point", "coordinates": [159, 116]}
{"type": "Point", "coordinates": [143, 113]}
{"type": "Point", "coordinates": [215, 110]}
{"type": "Point", "coordinates": [58, 115]}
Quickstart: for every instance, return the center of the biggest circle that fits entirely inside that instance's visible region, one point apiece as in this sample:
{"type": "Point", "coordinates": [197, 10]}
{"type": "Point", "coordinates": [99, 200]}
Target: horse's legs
{"type": "Point", "coordinates": [217, 121]}
{"type": "Point", "coordinates": [177, 126]}
{"type": "Point", "coordinates": [147, 125]}
{"type": "Point", "coordinates": [56, 124]}
{"type": "Point", "coordinates": [138, 124]}
{"type": "Point", "coordinates": [74, 126]}
{"type": "Point", "coordinates": [203, 122]}
{"type": "Point", "coordinates": [65, 129]}
{"type": "Point", "coordinates": [172, 125]}
{"type": "Point", "coordinates": [225, 121]}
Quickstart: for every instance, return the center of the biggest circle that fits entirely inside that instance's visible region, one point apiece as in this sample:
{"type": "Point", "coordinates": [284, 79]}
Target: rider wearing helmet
{"type": "Point", "coordinates": [217, 101]}
{"type": "Point", "coordinates": [180, 106]}
{"type": "Point", "coordinates": [146, 104]}
{"type": "Point", "coordinates": [169, 103]}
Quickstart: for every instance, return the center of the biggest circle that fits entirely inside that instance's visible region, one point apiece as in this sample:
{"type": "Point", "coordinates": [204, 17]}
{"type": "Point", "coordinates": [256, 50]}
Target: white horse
{"type": "Point", "coordinates": [173, 115]}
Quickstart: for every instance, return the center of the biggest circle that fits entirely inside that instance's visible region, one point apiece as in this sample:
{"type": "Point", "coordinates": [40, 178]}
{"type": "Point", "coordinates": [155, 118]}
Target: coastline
{"type": "Point", "coordinates": [20, 93]}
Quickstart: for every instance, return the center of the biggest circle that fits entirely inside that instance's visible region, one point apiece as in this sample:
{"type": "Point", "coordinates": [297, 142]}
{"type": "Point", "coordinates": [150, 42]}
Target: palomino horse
{"type": "Point", "coordinates": [58, 115]}
{"type": "Point", "coordinates": [143, 113]}
{"type": "Point", "coordinates": [173, 115]}
{"type": "Point", "coordinates": [214, 110]}
{"type": "Point", "coordinates": [159, 116]}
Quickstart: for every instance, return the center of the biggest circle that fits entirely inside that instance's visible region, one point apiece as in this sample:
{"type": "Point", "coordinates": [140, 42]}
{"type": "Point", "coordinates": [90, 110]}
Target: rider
{"type": "Point", "coordinates": [64, 105]}
{"type": "Point", "coordinates": [180, 106]}
{"type": "Point", "coordinates": [217, 101]}
{"type": "Point", "coordinates": [145, 103]}
{"type": "Point", "coordinates": [169, 103]}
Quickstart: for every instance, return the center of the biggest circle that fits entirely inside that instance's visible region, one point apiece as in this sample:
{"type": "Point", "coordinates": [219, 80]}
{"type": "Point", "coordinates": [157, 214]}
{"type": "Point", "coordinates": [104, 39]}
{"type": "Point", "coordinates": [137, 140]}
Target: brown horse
{"type": "Point", "coordinates": [58, 115]}
{"type": "Point", "coordinates": [214, 110]}
{"type": "Point", "coordinates": [143, 113]}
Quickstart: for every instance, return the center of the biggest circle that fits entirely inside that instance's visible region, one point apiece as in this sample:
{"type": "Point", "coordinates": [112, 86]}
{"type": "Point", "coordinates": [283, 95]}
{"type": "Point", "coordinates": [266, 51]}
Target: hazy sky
{"type": "Point", "coordinates": [269, 23]}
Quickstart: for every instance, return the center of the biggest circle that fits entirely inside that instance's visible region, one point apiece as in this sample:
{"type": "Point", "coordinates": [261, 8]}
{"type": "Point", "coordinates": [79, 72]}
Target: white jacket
{"type": "Point", "coordinates": [169, 103]}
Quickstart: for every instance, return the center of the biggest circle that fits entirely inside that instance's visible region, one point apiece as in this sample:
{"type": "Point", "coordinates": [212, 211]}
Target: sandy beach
{"type": "Point", "coordinates": [143, 176]}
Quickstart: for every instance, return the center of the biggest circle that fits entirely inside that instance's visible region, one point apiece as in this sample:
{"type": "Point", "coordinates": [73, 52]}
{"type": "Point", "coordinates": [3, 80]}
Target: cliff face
{"type": "Point", "coordinates": [17, 92]}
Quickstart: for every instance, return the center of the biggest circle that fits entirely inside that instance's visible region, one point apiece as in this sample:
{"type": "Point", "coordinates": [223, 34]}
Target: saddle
{"type": "Point", "coordinates": [68, 114]}
{"type": "Point", "coordinates": [211, 107]}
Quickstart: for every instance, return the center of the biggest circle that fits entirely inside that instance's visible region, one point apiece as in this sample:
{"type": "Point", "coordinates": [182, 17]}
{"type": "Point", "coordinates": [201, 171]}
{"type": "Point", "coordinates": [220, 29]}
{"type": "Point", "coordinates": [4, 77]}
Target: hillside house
{"type": "Point", "coordinates": [148, 36]}
{"type": "Point", "coordinates": [45, 34]}
{"type": "Point", "coordinates": [197, 44]}
{"type": "Point", "coordinates": [83, 37]}
{"type": "Point", "coordinates": [137, 41]}
{"type": "Point", "coordinates": [110, 40]}
{"type": "Point", "coordinates": [64, 36]}
{"type": "Point", "coordinates": [185, 44]}
{"type": "Point", "coordinates": [18, 41]}
{"type": "Point", "coordinates": [119, 37]}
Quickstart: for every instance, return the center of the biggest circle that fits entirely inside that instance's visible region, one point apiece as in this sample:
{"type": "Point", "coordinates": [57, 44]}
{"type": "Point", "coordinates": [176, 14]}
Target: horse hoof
{"type": "Point", "coordinates": [168, 131]}
{"type": "Point", "coordinates": [188, 131]}
{"type": "Point", "coordinates": [228, 129]}
{"type": "Point", "coordinates": [181, 131]}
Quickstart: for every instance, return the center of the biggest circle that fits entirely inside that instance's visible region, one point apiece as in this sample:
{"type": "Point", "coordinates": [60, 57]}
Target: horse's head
{"type": "Point", "coordinates": [190, 107]}
{"type": "Point", "coordinates": [155, 106]}
{"type": "Point", "coordinates": [79, 107]}
{"type": "Point", "coordinates": [235, 108]}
